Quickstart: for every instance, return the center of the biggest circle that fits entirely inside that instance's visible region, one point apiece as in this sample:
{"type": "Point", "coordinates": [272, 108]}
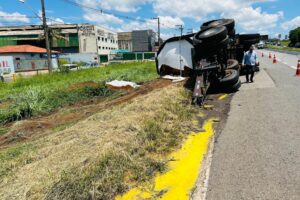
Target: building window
{"type": "Point", "coordinates": [105, 39]}
{"type": "Point", "coordinates": [102, 39]}
{"type": "Point", "coordinates": [98, 38]}
{"type": "Point", "coordinates": [99, 47]}
{"type": "Point", "coordinates": [102, 47]}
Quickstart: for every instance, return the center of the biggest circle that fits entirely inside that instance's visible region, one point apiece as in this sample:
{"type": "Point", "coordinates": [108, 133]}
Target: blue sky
{"type": "Point", "coordinates": [263, 16]}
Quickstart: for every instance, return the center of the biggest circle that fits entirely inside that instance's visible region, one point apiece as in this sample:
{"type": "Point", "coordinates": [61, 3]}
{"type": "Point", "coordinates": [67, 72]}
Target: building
{"type": "Point", "coordinates": [143, 40]}
{"type": "Point", "coordinates": [137, 41]}
{"type": "Point", "coordinates": [25, 58]}
{"type": "Point", "coordinates": [65, 38]}
{"type": "Point", "coordinates": [125, 41]}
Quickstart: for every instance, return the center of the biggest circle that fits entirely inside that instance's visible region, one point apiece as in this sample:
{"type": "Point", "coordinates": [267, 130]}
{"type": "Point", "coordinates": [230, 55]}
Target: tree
{"type": "Point", "coordinates": [294, 36]}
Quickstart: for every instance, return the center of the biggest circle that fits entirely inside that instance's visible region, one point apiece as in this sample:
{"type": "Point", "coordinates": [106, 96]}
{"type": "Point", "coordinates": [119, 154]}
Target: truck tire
{"type": "Point", "coordinates": [228, 23]}
{"type": "Point", "coordinates": [211, 34]}
{"type": "Point", "coordinates": [233, 64]}
{"type": "Point", "coordinates": [231, 33]}
{"type": "Point", "coordinates": [231, 77]}
{"type": "Point", "coordinates": [235, 87]}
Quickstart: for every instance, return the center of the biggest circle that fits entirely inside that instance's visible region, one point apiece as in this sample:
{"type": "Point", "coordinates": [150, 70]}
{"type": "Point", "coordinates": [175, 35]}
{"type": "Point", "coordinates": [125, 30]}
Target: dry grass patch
{"type": "Point", "coordinates": [106, 154]}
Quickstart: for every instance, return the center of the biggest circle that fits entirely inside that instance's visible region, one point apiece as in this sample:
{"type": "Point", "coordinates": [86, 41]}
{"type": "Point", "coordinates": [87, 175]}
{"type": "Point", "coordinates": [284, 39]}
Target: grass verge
{"type": "Point", "coordinates": [283, 48]}
{"type": "Point", "coordinates": [41, 94]}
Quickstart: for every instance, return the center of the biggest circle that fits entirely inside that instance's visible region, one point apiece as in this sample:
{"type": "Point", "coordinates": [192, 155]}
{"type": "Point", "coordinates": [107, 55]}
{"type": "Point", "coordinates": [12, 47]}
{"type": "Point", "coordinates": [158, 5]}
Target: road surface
{"type": "Point", "coordinates": [288, 59]}
{"type": "Point", "coordinates": [257, 155]}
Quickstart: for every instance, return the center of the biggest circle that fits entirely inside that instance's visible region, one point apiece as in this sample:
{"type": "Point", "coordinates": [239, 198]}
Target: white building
{"type": "Point", "coordinates": [97, 39]}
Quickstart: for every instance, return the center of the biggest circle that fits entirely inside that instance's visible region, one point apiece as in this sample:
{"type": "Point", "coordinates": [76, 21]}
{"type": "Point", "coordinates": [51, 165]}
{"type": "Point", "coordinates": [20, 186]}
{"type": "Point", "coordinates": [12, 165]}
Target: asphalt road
{"type": "Point", "coordinates": [288, 59]}
{"type": "Point", "coordinates": [257, 155]}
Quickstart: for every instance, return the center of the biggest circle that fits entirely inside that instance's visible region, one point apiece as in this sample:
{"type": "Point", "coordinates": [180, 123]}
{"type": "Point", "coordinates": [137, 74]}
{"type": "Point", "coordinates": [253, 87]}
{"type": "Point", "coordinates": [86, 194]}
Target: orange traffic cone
{"type": "Point", "coordinates": [298, 69]}
{"type": "Point", "coordinates": [270, 56]}
{"type": "Point", "coordinates": [274, 59]}
{"type": "Point", "coordinates": [262, 54]}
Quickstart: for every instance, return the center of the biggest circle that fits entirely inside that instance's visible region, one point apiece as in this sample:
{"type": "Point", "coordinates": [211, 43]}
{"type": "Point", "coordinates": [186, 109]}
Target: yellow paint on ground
{"type": "Point", "coordinates": [177, 183]}
{"type": "Point", "coordinates": [201, 114]}
{"type": "Point", "coordinates": [207, 106]}
{"type": "Point", "coordinates": [223, 96]}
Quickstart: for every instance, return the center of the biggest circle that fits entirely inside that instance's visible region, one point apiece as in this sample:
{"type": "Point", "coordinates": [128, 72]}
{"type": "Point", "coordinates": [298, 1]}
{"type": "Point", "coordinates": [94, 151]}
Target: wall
{"type": "Point", "coordinates": [125, 40]}
{"type": "Point", "coordinates": [80, 57]}
{"type": "Point", "coordinates": [30, 61]}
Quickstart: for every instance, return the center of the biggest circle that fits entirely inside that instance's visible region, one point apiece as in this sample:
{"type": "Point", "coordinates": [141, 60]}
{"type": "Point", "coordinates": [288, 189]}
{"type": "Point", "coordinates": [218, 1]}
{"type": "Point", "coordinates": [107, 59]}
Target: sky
{"type": "Point", "coordinates": [271, 17]}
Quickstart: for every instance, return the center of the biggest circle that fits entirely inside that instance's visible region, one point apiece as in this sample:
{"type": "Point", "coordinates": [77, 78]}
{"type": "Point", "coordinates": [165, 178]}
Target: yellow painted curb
{"type": "Point", "coordinates": [177, 183]}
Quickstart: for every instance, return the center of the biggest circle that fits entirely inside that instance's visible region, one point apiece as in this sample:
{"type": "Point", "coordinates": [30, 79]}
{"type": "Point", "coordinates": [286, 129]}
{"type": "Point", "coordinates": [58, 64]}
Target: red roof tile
{"type": "Point", "coordinates": [23, 49]}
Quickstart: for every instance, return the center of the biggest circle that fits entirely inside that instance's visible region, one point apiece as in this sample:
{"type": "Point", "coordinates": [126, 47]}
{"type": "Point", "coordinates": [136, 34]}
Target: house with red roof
{"type": "Point", "coordinates": [26, 58]}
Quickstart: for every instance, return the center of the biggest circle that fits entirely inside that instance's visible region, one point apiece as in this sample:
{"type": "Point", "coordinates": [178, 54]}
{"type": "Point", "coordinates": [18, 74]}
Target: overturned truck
{"type": "Point", "coordinates": [211, 57]}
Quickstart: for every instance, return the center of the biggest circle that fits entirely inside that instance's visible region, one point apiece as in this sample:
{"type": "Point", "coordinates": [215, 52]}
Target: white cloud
{"type": "Point", "coordinates": [251, 19]}
{"type": "Point", "coordinates": [122, 6]}
{"type": "Point", "coordinates": [102, 19]}
{"type": "Point", "coordinates": [294, 23]}
{"type": "Point", "coordinates": [13, 17]}
{"type": "Point", "coordinates": [170, 22]}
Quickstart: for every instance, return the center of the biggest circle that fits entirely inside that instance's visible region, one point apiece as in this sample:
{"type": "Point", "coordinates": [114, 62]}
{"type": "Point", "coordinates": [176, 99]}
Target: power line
{"type": "Point", "coordinates": [101, 11]}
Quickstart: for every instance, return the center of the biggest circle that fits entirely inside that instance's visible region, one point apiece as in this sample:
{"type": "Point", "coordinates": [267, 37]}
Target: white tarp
{"type": "Point", "coordinates": [120, 84]}
{"type": "Point", "coordinates": [174, 78]}
{"type": "Point", "coordinates": [6, 65]}
{"type": "Point", "coordinates": [172, 52]}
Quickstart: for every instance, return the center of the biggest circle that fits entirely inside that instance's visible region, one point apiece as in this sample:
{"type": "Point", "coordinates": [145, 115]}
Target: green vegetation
{"type": "Point", "coordinates": [269, 46]}
{"type": "Point", "coordinates": [9, 157]}
{"type": "Point", "coordinates": [3, 130]}
{"type": "Point", "coordinates": [294, 36]}
{"type": "Point", "coordinates": [137, 160]}
{"type": "Point", "coordinates": [41, 94]}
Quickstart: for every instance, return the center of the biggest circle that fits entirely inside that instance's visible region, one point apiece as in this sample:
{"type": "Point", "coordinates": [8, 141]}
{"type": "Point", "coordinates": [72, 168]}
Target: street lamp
{"type": "Point", "coordinates": [46, 31]}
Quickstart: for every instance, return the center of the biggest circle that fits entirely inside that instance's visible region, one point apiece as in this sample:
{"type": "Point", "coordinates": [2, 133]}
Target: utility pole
{"type": "Point", "coordinates": [46, 33]}
{"type": "Point", "coordinates": [158, 29]}
{"type": "Point", "coordinates": [180, 59]}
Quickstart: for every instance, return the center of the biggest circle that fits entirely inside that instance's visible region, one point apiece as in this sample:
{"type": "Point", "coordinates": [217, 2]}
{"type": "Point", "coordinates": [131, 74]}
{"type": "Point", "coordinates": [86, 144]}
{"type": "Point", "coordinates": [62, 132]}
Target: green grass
{"type": "Point", "coordinates": [3, 130]}
{"type": "Point", "coordinates": [41, 94]}
{"type": "Point", "coordinates": [113, 173]}
{"type": "Point", "coordinates": [283, 48]}
{"type": "Point", "coordinates": [9, 157]}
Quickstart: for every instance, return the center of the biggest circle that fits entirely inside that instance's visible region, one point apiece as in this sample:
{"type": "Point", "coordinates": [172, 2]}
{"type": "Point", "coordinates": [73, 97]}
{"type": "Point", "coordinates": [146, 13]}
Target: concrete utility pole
{"type": "Point", "coordinates": [180, 59]}
{"type": "Point", "coordinates": [158, 29]}
{"type": "Point", "coordinates": [46, 32]}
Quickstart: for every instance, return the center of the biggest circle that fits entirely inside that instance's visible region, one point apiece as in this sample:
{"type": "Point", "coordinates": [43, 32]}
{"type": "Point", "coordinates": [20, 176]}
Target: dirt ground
{"type": "Point", "coordinates": [71, 135]}
{"type": "Point", "coordinates": [37, 126]}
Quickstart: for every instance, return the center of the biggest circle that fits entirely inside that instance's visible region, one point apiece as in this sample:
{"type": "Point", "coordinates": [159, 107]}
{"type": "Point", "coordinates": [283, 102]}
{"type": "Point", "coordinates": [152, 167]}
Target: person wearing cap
{"type": "Point", "coordinates": [249, 62]}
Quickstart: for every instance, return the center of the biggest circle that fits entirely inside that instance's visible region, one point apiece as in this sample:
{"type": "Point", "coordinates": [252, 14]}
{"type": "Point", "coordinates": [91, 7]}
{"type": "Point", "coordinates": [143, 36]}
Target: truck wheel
{"type": "Point", "coordinates": [216, 45]}
{"type": "Point", "coordinates": [236, 86]}
{"type": "Point", "coordinates": [210, 35]}
{"type": "Point", "coordinates": [230, 78]}
{"type": "Point", "coordinates": [233, 64]}
{"type": "Point", "coordinates": [228, 23]}
{"type": "Point", "coordinates": [231, 33]}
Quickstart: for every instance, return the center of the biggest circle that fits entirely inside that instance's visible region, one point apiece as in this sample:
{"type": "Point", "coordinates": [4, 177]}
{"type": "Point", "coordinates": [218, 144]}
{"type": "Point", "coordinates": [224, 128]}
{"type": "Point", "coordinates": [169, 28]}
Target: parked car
{"type": "Point", "coordinates": [261, 45]}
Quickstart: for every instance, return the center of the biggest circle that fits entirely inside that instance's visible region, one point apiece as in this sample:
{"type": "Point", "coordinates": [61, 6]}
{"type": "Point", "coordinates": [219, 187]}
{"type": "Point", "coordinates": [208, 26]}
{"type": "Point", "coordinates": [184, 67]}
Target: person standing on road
{"type": "Point", "coordinates": [249, 62]}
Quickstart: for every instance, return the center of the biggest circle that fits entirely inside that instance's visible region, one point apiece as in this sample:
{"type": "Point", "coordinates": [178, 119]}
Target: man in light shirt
{"type": "Point", "coordinates": [250, 61]}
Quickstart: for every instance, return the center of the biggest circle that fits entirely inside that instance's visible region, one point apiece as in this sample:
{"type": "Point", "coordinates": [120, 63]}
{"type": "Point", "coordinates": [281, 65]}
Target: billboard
{"type": "Point", "coordinates": [6, 65]}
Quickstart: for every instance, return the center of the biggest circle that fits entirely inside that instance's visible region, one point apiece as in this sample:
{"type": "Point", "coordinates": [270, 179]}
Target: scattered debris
{"type": "Point", "coordinates": [121, 85]}
{"type": "Point", "coordinates": [174, 78]}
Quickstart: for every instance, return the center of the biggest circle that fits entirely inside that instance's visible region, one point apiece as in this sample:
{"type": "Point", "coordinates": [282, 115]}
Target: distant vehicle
{"type": "Point", "coordinates": [261, 45]}
{"type": "Point", "coordinates": [70, 66]}
{"type": "Point", "coordinates": [297, 45]}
